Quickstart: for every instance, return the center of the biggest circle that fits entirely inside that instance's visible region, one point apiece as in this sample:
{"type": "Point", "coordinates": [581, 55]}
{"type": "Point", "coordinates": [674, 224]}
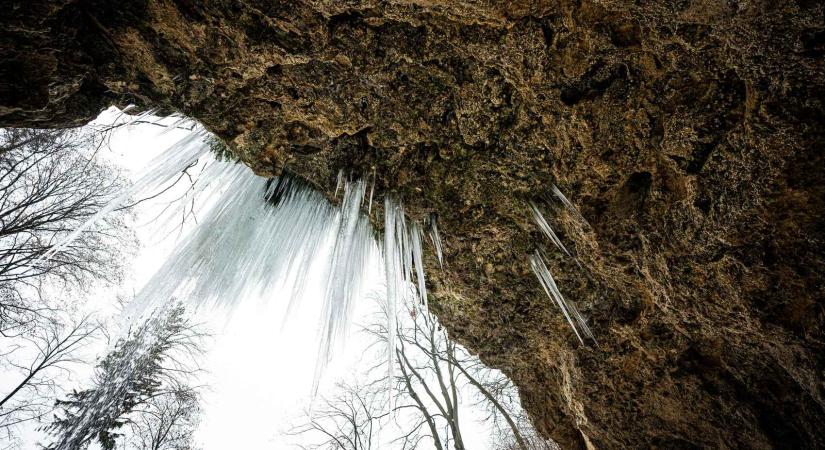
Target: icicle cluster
{"type": "Point", "coordinates": [350, 260]}
{"type": "Point", "coordinates": [568, 204]}
{"type": "Point", "coordinates": [244, 246]}
{"type": "Point", "coordinates": [256, 240]}
{"type": "Point", "coordinates": [539, 267]}
{"type": "Point", "coordinates": [544, 226]}
{"type": "Point", "coordinates": [435, 237]}
{"type": "Point", "coordinates": [157, 173]}
{"type": "Point", "coordinates": [255, 237]}
{"type": "Point", "coordinates": [402, 257]}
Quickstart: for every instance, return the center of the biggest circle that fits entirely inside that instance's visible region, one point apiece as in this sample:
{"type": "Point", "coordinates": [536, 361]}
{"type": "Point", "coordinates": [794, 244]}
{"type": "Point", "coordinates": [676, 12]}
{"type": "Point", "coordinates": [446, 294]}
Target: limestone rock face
{"type": "Point", "coordinates": [689, 133]}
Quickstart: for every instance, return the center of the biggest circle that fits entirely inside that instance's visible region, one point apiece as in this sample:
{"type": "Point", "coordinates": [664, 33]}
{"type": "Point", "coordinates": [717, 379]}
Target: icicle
{"type": "Point", "coordinates": [258, 237]}
{"type": "Point", "coordinates": [348, 267]}
{"type": "Point", "coordinates": [546, 229]}
{"type": "Point", "coordinates": [142, 116]}
{"type": "Point", "coordinates": [372, 190]}
{"type": "Point", "coordinates": [436, 238]}
{"type": "Point", "coordinates": [339, 182]}
{"type": "Point", "coordinates": [255, 237]}
{"type": "Point", "coordinates": [393, 273]}
{"type": "Point", "coordinates": [244, 246]}
{"type": "Point", "coordinates": [415, 238]}
{"type": "Point", "coordinates": [159, 171]}
{"type": "Point", "coordinates": [552, 291]}
{"type": "Point", "coordinates": [402, 255]}
{"type": "Point", "coordinates": [568, 204]}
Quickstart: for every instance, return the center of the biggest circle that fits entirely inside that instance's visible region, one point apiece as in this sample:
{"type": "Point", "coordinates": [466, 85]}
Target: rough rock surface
{"type": "Point", "coordinates": [689, 133]}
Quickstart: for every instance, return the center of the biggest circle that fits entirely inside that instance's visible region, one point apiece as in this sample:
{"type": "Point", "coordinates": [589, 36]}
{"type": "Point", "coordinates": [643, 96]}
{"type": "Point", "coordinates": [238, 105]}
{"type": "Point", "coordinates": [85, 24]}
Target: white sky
{"type": "Point", "coordinates": [260, 376]}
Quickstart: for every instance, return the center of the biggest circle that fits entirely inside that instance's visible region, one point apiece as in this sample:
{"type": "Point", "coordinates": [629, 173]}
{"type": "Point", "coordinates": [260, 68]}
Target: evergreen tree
{"type": "Point", "coordinates": [137, 370]}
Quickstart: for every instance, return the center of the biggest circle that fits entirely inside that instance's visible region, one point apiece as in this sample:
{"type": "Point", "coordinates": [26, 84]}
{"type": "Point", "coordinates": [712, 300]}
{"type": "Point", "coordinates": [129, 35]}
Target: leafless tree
{"type": "Point", "coordinates": [349, 420]}
{"type": "Point", "coordinates": [166, 421]}
{"type": "Point", "coordinates": [451, 368]}
{"type": "Point", "coordinates": [51, 181]}
{"type": "Point", "coordinates": [55, 346]}
{"type": "Point", "coordinates": [431, 372]}
{"type": "Point", "coordinates": [430, 375]}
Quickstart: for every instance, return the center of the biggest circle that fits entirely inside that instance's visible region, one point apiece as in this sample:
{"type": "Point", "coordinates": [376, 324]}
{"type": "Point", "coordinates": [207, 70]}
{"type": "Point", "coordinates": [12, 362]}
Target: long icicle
{"type": "Point", "coordinates": [538, 217]}
{"type": "Point", "coordinates": [402, 256]}
{"type": "Point", "coordinates": [392, 272]}
{"type": "Point", "coordinates": [348, 267]}
{"type": "Point", "coordinates": [158, 172]}
{"type": "Point", "coordinates": [416, 235]}
{"type": "Point", "coordinates": [436, 238]}
{"type": "Point", "coordinates": [557, 192]}
{"type": "Point", "coordinates": [552, 290]}
{"type": "Point", "coordinates": [255, 236]}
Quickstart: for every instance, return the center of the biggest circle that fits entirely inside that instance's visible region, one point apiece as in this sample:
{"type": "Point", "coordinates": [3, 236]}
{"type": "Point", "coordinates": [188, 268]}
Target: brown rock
{"type": "Point", "coordinates": [689, 134]}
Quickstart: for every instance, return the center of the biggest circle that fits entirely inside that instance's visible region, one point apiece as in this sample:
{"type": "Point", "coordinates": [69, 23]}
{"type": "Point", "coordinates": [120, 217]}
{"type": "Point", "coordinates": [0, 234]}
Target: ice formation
{"type": "Point", "coordinates": [546, 278]}
{"type": "Point", "coordinates": [435, 237]}
{"type": "Point", "coordinates": [569, 310]}
{"type": "Point", "coordinates": [157, 173]}
{"type": "Point", "coordinates": [544, 226]}
{"type": "Point", "coordinates": [402, 257]}
{"type": "Point", "coordinates": [258, 237]}
{"type": "Point", "coordinates": [568, 204]}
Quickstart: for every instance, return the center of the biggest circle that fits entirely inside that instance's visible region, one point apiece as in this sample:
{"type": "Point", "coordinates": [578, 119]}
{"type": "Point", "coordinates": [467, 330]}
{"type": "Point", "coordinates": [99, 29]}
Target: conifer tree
{"type": "Point", "coordinates": [148, 362]}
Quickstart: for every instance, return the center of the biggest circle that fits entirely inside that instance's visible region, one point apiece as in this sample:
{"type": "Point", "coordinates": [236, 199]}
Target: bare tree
{"type": "Point", "coordinates": [56, 345]}
{"type": "Point", "coordinates": [424, 355]}
{"type": "Point", "coordinates": [431, 372]}
{"type": "Point", "coordinates": [349, 420]}
{"type": "Point", "coordinates": [51, 181]}
{"type": "Point", "coordinates": [451, 368]}
{"type": "Point", "coordinates": [166, 421]}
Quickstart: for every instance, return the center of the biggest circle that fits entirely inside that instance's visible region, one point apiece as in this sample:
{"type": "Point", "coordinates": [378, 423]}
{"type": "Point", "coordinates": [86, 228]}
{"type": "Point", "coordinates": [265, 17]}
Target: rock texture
{"type": "Point", "coordinates": [689, 133]}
